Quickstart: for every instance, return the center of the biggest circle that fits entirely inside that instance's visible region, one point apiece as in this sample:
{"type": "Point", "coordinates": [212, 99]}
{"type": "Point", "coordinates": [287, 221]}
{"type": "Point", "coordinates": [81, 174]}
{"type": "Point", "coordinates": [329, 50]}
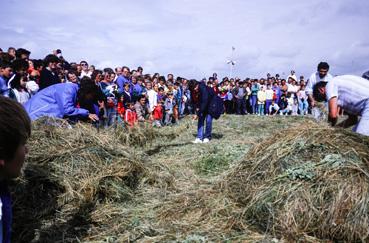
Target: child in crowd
{"type": "Point", "coordinates": [130, 116]}
{"type": "Point", "coordinates": [15, 129]}
{"type": "Point", "coordinates": [18, 90]}
{"type": "Point", "coordinates": [120, 109]}
{"type": "Point", "coordinates": [169, 108]}
{"type": "Point", "coordinates": [269, 98]}
{"type": "Point", "coordinates": [261, 100]}
{"type": "Point", "coordinates": [158, 114]}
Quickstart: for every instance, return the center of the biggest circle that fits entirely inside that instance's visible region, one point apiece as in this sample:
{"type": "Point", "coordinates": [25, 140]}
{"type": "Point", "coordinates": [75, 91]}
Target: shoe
{"type": "Point", "coordinates": [197, 140]}
{"type": "Point", "coordinates": [206, 140]}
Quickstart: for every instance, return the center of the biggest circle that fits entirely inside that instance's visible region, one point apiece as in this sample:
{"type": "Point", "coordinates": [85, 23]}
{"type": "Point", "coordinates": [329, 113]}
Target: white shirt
{"type": "Point", "coordinates": [153, 99]}
{"type": "Point", "coordinates": [352, 92]}
{"type": "Point", "coordinates": [269, 94]}
{"type": "Point", "coordinates": [314, 78]}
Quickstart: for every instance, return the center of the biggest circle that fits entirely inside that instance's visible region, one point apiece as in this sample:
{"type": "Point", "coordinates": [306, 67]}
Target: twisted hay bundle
{"type": "Point", "coordinates": [306, 181]}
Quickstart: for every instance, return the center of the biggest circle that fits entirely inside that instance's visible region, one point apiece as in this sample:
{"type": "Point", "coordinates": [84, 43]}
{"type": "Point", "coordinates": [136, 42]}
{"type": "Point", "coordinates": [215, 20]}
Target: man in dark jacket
{"type": "Point", "coordinates": [201, 96]}
{"type": "Point", "coordinates": [48, 74]}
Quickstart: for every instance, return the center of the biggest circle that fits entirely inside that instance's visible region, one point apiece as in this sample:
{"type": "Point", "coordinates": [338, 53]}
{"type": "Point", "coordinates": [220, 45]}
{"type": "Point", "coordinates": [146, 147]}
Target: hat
{"type": "Point", "coordinates": [292, 76]}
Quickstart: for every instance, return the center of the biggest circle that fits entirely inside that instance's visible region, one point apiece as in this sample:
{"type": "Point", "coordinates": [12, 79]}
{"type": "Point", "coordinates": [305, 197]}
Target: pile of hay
{"type": "Point", "coordinates": [76, 183]}
{"type": "Point", "coordinates": [310, 180]}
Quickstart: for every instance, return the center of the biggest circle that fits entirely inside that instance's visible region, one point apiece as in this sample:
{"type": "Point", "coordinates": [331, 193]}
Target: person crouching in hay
{"type": "Point", "coordinates": [60, 101]}
{"type": "Point", "coordinates": [350, 93]}
{"type": "Point", "coordinates": [15, 129]}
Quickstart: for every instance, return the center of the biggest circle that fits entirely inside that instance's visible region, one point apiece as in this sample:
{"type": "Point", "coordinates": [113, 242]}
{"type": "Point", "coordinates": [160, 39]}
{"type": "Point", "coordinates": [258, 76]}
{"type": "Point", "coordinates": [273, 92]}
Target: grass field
{"type": "Point", "coordinates": [178, 193]}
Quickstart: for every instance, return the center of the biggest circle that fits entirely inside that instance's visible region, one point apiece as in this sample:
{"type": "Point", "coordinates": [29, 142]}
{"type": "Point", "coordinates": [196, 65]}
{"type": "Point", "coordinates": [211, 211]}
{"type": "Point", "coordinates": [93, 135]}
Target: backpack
{"type": "Point", "coordinates": [216, 107]}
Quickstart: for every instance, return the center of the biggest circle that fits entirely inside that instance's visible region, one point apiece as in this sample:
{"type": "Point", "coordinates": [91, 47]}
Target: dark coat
{"type": "Point", "coordinates": [47, 78]}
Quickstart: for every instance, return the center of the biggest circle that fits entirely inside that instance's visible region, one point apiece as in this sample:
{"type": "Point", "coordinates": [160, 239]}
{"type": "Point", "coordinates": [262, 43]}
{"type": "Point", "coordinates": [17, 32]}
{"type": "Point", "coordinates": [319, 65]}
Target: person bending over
{"type": "Point", "coordinates": [350, 93]}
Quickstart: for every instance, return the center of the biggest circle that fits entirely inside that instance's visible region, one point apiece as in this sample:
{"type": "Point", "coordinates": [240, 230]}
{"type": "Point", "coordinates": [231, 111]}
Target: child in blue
{"type": "Point", "coordinates": [15, 129]}
{"type": "Point", "coordinates": [169, 105]}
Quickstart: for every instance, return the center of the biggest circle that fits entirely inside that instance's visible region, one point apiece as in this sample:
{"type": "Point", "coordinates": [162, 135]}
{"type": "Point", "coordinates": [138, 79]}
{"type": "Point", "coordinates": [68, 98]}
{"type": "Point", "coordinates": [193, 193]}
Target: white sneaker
{"type": "Point", "coordinates": [206, 140]}
{"type": "Point", "coordinates": [197, 140]}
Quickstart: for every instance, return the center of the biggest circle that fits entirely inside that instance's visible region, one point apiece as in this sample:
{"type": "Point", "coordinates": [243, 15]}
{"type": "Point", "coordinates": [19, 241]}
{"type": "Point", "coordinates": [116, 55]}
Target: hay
{"type": "Point", "coordinates": [76, 182]}
{"type": "Point", "coordinates": [308, 181]}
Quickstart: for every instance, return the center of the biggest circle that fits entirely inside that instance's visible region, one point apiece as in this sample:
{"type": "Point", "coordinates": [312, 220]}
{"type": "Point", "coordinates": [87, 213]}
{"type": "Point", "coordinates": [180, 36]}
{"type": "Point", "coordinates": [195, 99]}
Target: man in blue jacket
{"type": "Point", "coordinates": [201, 96]}
{"type": "Point", "coordinates": [60, 101]}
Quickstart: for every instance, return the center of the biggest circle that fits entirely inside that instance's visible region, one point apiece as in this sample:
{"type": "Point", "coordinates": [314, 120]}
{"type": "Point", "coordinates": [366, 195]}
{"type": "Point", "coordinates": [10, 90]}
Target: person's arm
{"type": "Point", "coordinates": [333, 111]}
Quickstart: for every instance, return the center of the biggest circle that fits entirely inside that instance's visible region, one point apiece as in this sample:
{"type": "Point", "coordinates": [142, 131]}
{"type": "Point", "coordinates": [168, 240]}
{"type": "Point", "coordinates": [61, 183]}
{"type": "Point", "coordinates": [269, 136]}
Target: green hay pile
{"type": "Point", "coordinates": [308, 181]}
{"type": "Point", "coordinates": [77, 183]}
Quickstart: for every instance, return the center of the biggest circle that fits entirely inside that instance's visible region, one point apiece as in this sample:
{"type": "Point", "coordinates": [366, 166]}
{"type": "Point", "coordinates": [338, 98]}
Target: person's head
{"type": "Point", "coordinates": [319, 91]}
{"type": "Point", "coordinates": [11, 52]}
{"type": "Point", "coordinates": [142, 100]}
{"type": "Point", "coordinates": [22, 53]}
{"type": "Point", "coordinates": [15, 129]}
{"type": "Point", "coordinates": [140, 70]}
{"type": "Point", "coordinates": [130, 105]}
{"type": "Point", "coordinates": [20, 66]}
{"type": "Point", "coordinates": [140, 79]}
{"type": "Point", "coordinates": [156, 87]}
{"type": "Point", "coordinates": [88, 89]}
{"type": "Point", "coordinates": [170, 77]}
{"type": "Point", "coordinates": [19, 81]}
{"type": "Point", "coordinates": [84, 66]}
{"type": "Point", "coordinates": [6, 69]}
{"type": "Point", "coordinates": [148, 85]}
{"type": "Point", "coordinates": [193, 86]}
{"type": "Point", "coordinates": [161, 90]}
{"type": "Point", "coordinates": [323, 69]}
{"type": "Point", "coordinates": [96, 76]}
{"type": "Point", "coordinates": [72, 76]}
{"type": "Point", "coordinates": [51, 61]}
{"type": "Point", "coordinates": [125, 71]}
{"type": "Point", "coordinates": [118, 70]}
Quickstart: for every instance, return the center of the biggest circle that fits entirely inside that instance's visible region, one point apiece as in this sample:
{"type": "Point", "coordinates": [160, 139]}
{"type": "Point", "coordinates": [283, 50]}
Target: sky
{"type": "Point", "coordinates": [194, 38]}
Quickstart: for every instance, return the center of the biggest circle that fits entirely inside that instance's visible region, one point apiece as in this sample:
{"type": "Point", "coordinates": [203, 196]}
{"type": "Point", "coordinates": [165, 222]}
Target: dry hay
{"type": "Point", "coordinates": [76, 184]}
{"type": "Point", "coordinates": [308, 181]}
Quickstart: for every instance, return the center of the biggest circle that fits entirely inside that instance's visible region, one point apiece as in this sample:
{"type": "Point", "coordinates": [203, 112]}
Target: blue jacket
{"type": "Point", "coordinates": [121, 80]}
{"type": "Point", "coordinates": [57, 100]}
{"type": "Point", "coordinates": [206, 94]}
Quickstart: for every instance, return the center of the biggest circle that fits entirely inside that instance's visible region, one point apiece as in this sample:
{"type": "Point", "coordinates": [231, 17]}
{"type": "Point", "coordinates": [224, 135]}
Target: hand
{"type": "Point", "coordinates": [93, 117]}
{"type": "Point", "coordinates": [312, 103]}
{"type": "Point", "coordinates": [195, 117]}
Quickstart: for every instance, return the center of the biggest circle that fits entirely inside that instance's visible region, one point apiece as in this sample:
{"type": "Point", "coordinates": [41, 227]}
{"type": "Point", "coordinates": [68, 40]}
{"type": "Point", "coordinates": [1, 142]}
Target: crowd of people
{"type": "Point", "coordinates": [121, 95]}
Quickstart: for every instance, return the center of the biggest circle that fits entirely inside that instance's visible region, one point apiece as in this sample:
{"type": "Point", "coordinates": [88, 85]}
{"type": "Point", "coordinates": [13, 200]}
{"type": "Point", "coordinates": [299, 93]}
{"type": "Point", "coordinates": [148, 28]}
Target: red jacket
{"type": "Point", "coordinates": [120, 109]}
{"type": "Point", "coordinates": [130, 117]}
{"type": "Point", "coordinates": [158, 112]}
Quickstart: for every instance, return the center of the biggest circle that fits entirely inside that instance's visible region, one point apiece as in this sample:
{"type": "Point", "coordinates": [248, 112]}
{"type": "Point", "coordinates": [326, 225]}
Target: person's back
{"type": "Point", "coordinates": [352, 93]}
{"type": "Point", "coordinates": [58, 100]}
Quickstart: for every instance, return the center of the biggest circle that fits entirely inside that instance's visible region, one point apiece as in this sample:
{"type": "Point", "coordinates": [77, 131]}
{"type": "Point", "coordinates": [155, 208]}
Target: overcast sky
{"type": "Point", "coordinates": [194, 38]}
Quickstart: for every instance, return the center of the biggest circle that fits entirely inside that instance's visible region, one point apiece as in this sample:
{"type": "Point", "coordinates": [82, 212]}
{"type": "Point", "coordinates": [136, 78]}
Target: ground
{"type": "Point", "coordinates": [193, 209]}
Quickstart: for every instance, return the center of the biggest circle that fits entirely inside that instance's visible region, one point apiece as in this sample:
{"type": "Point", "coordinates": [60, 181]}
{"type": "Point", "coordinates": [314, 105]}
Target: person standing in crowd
{"type": "Point", "coordinates": [254, 96]}
{"type": "Point", "coordinates": [303, 101]}
{"type": "Point", "coordinates": [201, 96]}
{"type": "Point", "coordinates": [349, 92]}
{"type": "Point", "coordinates": [15, 129]}
{"type": "Point", "coordinates": [240, 93]}
{"type": "Point", "coordinates": [6, 72]}
{"type": "Point", "coordinates": [85, 70]}
{"type": "Point", "coordinates": [141, 109]}
{"type": "Point", "coordinates": [321, 75]}
{"type": "Point", "coordinates": [169, 106]}
{"type": "Point", "coordinates": [130, 116]}
{"type": "Point", "coordinates": [152, 97]}
{"type": "Point", "coordinates": [123, 78]}
{"type": "Point", "coordinates": [18, 91]}
{"type": "Point", "coordinates": [110, 90]}
{"type": "Point", "coordinates": [269, 93]}
{"type": "Point", "coordinates": [261, 100]}
{"type": "Point", "coordinates": [49, 74]}
{"type": "Point", "coordinates": [60, 101]}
